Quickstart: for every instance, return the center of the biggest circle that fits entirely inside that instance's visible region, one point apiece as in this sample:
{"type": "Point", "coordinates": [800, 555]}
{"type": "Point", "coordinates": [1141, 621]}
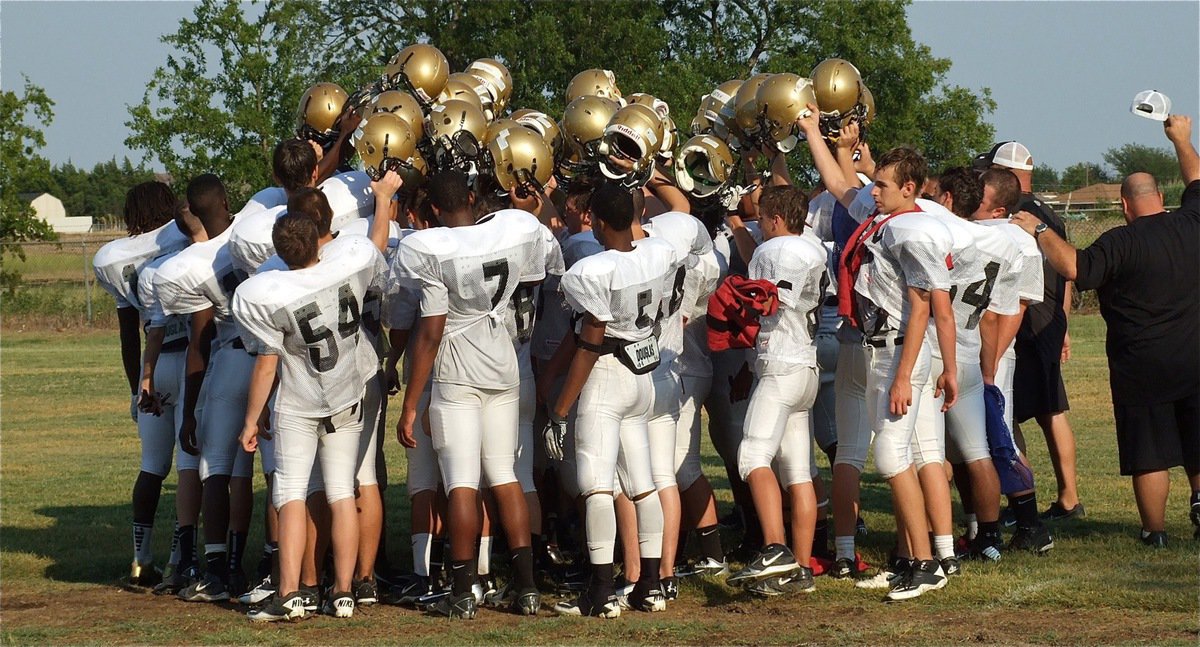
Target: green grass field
{"type": "Point", "coordinates": [70, 455]}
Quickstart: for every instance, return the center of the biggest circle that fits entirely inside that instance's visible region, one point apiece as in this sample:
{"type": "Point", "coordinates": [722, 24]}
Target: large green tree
{"type": "Point", "coordinates": [227, 94]}
{"type": "Point", "coordinates": [22, 117]}
{"type": "Point", "coordinates": [1133, 158]}
{"type": "Point", "coordinates": [1083, 174]}
{"type": "Point", "coordinates": [677, 50]}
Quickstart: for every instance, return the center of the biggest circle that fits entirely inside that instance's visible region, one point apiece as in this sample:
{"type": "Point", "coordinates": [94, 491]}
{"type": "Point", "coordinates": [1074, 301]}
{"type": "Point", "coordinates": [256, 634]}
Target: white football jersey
{"type": "Point", "coordinates": [118, 263]}
{"type": "Point", "coordinates": [175, 326]}
{"type": "Point", "coordinates": [349, 196]}
{"type": "Point", "coordinates": [701, 282]}
{"type": "Point", "coordinates": [726, 249]}
{"type": "Point", "coordinates": [523, 308]}
{"type": "Point", "coordinates": [311, 318]}
{"type": "Point", "coordinates": [553, 313]}
{"type": "Point", "coordinates": [997, 290]}
{"type": "Point", "coordinates": [820, 216]}
{"type": "Point", "coordinates": [797, 268]}
{"type": "Point", "coordinates": [690, 239]}
{"type": "Point", "coordinates": [910, 250]}
{"type": "Point", "coordinates": [627, 291]}
{"type": "Point", "coordinates": [469, 274]}
{"type": "Point", "coordinates": [1031, 283]}
{"type": "Point", "coordinates": [200, 277]}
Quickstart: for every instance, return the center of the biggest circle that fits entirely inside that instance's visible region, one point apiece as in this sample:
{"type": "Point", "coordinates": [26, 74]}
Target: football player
{"type": "Point", "coordinates": [467, 272]}
{"type": "Point", "coordinates": [149, 209]}
{"type": "Point", "coordinates": [888, 299]}
{"type": "Point", "coordinates": [305, 324]}
{"type": "Point", "coordinates": [199, 282]}
{"type": "Point", "coordinates": [619, 295]}
{"type": "Point", "coordinates": [777, 420]}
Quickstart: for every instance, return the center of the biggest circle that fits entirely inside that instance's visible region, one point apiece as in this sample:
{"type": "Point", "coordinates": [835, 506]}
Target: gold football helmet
{"type": "Point", "coordinates": [582, 128]}
{"type": "Point", "coordinates": [594, 83]}
{"type": "Point", "coordinates": [838, 86]}
{"type": "Point", "coordinates": [498, 125]}
{"type": "Point", "coordinates": [318, 112]}
{"type": "Point", "coordinates": [497, 78]}
{"type": "Point", "coordinates": [703, 166]}
{"type": "Point", "coordinates": [666, 152]}
{"type": "Point", "coordinates": [744, 128]}
{"type": "Point", "coordinates": [633, 135]}
{"type": "Point", "coordinates": [401, 104]}
{"type": "Point", "coordinates": [462, 86]}
{"type": "Point", "coordinates": [520, 159]}
{"type": "Point", "coordinates": [386, 143]}
{"type": "Point", "coordinates": [782, 100]}
{"type": "Point", "coordinates": [720, 109]}
{"type": "Point", "coordinates": [456, 131]}
{"type": "Point", "coordinates": [420, 69]}
{"type": "Point", "coordinates": [542, 124]}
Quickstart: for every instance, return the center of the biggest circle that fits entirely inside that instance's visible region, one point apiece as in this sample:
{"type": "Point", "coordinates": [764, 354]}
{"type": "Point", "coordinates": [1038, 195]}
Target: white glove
{"type": "Point", "coordinates": [555, 434]}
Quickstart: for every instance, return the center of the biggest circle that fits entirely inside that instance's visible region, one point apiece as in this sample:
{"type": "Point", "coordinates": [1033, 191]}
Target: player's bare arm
{"type": "Point", "coordinates": [421, 356]}
{"type": "Point", "coordinates": [943, 320]}
{"type": "Point", "coordinates": [1179, 132]}
{"type": "Point", "coordinates": [262, 382]}
{"type": "Point", "coordinates": [664, 189]}
{"type": "Point", "coordinates": [591, 333]}
{"type": "Point", "coordinates": [131, 341]}
{"type": "Point", "coordinates": [148, 397]}
{"type": "Point", "coordinates": [385, 189]}
{"type": "Point", "coordinates": [780, 176]}
{"type": "Point", "coordinates": [847, 143]}
{"type": "Point", "coordinates": [397, 342]}
{"type": "Point", "coordinates": [741, 236]}
{"type": "Point", "coordinates": [900, 395]}
{"type": "Point", "coordinates": [831, 174]}
{"type": "Point", "coordinates": [203, 330]}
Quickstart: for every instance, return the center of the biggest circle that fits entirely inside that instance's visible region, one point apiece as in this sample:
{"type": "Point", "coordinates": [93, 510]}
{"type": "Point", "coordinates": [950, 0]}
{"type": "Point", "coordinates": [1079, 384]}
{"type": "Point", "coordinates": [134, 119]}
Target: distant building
{"type": "Point", "coordinates": [1085, 198]}
{"type": "Point", "coordinates": [50, 209]}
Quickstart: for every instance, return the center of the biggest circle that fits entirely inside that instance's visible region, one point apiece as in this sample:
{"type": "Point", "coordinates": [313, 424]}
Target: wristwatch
{"type": "Point", "coordinates": [1037, 231]}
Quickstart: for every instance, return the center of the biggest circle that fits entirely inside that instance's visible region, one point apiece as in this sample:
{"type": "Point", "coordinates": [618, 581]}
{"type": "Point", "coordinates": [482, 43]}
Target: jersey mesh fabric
{"type": "Point", "coordinates": [699, 285]}
{"type": "Point", "coordinates": [175, 326]}
{"type": "Point", "coordinates": [523, 309]}
{"type": "Point", "coordinates": [691, 242]}
{"type": "Point", "coordinates": [910, 250]}
{"type": "Point", "coordinates": [469, 274]}
{"type": "Point", "coordinates": [118, 263]}
{"type": "Point", "coordinates": [554, 314]}
{"type": "Point", "coordinates": [311, 318]}
{"type": "Point", "coordinates": [1031, 282]}
{"type": "Point", "coordinates": [797, 268]}
{"type": "Point", "coordinates": [200, 277]}
{"type": "Point", "coordinates": [624, 290]}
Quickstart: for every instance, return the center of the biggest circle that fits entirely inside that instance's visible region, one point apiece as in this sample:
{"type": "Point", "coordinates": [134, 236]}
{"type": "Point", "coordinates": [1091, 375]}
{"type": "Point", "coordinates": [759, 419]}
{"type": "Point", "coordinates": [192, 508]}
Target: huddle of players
{"type": "Point", "coordinates": [264, 331]}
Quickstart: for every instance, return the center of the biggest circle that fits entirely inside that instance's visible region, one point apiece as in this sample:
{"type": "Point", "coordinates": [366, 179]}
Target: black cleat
{"type": "Point", "coordinates": [797, 581]}
{"type": "Point", "coordinates": [365, 593]}
{"type": "Point", "coordinates": [528, 602]}
{"type": "Point", "coordinates": [276, 609]}
{"type": "Point", "coordinates": [1036, 539]}
{"type": "Point", "coordinates": [775, 559]}
{"type": "Point", "coordinates": [925, 575]}
{"type": "Point", "coordinates": [950, 566]}
{"type": "Point", "coordinates": [584, 605]}
{"type": "Point", "coordinates": [1056, 512]}
{"type": "Point", "coordinates": [1156, 539]}
{"type": "Point", "coordinates": [456, 606]}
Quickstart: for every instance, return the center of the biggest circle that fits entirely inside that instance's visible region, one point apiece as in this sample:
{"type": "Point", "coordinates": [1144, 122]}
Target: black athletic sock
{"type": "Point", "coordinates": [237, 548]}
{"type": "Point", "coordinates": [218, 563]}
{"type": "Point", "coordinates": [989, 529]}
{"type": "Point", "coordinates": [462, 576]}
{"type": "Point", "coordinates": [1195, 497]}
{"type": "Point", "coordinates": [710, 542]}
{"type": "Point", "coordinates": [602, 584]}
{"type": "Point", "coordinates": [522, 563]}
{"type": "Point", "coordinates": [649, 576]}
{"type": "Point", "coordinates": [1025, 508]}
{"type": "Point", "coordinates": [187, 547]}
{"type": "Point", "coordinates": [146, 490]}
{"type": "Point", "coordinates": [753, 537]}
{"type": "Point", "coordinates": [264, 562]}
{"type": "Point", "coordinates": [437, 557]}
{"type": "Point", "coordinates": [821, 537]}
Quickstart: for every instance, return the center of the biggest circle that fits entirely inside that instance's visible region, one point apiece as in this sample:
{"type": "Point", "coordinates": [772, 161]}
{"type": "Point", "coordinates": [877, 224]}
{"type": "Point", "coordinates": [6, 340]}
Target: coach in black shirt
{"type": "Point", "coordinates": [1147, 277]}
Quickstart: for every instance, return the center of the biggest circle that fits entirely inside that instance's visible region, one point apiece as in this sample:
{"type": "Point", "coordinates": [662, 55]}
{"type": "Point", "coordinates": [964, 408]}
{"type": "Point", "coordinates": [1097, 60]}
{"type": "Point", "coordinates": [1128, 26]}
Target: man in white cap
{"type": "Point", "coordinates": [1042, 344]}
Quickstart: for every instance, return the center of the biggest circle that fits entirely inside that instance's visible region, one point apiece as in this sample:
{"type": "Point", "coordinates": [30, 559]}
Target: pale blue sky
{"type": "Point", "coordinates": [1062, 73]}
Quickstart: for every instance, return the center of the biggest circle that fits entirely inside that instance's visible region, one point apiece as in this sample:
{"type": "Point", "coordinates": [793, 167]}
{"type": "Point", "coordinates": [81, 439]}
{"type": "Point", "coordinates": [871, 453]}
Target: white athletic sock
{"type": "Point", "coordinates": [143, 535]}
{"type": "Point", "coordinates": [943, 546]}
{"type": "Point", "coordinates": [650, 526]}
{"type": "Point", "coordinates": [844, 547]}
{"type": "Point", "coordinates": [421, 543]}
{"type": "Point", "coordinates": [600, 525]}
{"type": "Point", "coordinates": [485, 556]}
{"type": "Point", "coordinates": [972, 526]}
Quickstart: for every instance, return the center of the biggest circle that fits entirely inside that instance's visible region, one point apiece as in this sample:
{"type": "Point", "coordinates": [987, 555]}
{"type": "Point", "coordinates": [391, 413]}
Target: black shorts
{"type": "Point", "coordinates": [1155, 437]}
{"type": "Point", "coordinates": [1037, 378]}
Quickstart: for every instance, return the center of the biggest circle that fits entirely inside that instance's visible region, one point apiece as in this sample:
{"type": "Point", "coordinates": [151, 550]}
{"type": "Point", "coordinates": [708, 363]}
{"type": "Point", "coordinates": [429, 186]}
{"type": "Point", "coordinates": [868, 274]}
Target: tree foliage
{"type": "Point", "coordinates": [223, 113]}
{"type": "Point", "coordinates": [1045, 178]}
{"type": "Point", "coordinates": [1134, 158]}
{"type": "Point", "coordinates": [22, 118]}
{"type": "Point", "coordinates": [226, 95]}
{"type": "Point", "coordinates": [1083, 174]}
{"type": "Point", "coordinates": [100, 192]}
